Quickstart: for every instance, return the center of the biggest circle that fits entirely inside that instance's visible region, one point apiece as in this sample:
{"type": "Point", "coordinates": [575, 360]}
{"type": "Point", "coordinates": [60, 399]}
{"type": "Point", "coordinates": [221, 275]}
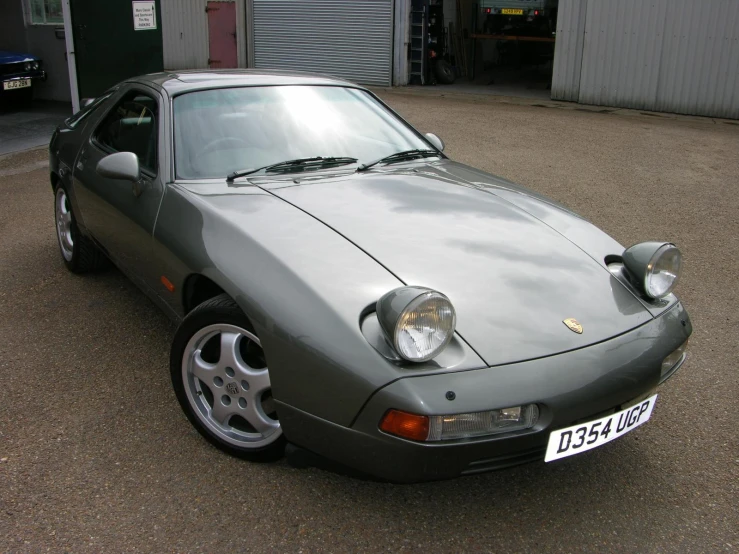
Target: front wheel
{"type": "Point", "coordinates": [221, 379]}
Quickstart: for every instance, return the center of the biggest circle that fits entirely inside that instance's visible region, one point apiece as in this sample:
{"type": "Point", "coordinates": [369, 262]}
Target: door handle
{"type": "Point", "coordinates": [82, 159]}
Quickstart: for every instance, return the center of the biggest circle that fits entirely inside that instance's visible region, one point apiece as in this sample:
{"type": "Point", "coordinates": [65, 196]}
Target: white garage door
{"type": "Point", "coordinates": [347, 39]}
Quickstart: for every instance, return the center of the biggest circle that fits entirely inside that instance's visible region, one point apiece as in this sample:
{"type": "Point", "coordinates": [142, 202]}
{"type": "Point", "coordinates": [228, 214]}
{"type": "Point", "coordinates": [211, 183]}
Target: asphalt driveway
{"type": "Point", "coordinates": [29, 126]}
{"type": "Point", "coordinates": [96, 456]}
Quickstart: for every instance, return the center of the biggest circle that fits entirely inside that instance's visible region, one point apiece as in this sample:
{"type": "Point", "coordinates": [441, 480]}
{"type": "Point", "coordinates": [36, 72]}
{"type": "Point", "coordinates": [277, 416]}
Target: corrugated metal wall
{"type": "Point", "coordinates": [401, 40]}
{"type": "Point", "coordinates": [184, 34]}
{"type": "Point", "coordinates": [621, 54]}
{"type": "Point", "coordinates": [704, 37]}
{"type": "Point", "coordinates": [568, 50]}
{"type": "Point", "coordinates": [348, 39]}
{"type": "Point", "coordinates": [667, 55]}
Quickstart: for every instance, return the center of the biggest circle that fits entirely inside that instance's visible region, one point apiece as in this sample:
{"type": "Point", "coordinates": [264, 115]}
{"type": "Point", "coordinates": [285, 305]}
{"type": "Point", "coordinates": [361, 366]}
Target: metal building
{"type": "Point", "coordinates": [677, 56]}
{"type": "Point", "coordinates": [664, 55]}
{"type": "Point", "coordinates": [203, 33]}
{"type": "Point", "coordinates": [352, 40]}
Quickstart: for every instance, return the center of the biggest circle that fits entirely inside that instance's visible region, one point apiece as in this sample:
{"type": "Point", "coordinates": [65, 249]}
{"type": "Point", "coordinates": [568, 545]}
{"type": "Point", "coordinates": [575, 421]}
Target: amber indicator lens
{"type": "Point", "coordinates": [167, 284]}
{"type": "Point", "coordinates": [409, 426]}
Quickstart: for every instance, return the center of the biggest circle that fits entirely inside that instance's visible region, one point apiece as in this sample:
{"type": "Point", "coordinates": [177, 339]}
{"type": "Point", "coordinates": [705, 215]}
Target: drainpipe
{"type": "Point", "coordinates": [71, 61]}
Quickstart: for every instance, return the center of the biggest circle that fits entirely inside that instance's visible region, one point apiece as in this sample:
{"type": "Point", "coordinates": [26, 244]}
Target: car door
{"type": "Point", "coordinates": [120, 214]}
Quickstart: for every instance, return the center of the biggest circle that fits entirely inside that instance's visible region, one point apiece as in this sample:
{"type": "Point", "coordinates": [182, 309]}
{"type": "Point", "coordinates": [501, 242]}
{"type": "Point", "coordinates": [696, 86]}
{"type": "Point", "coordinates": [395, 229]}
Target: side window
{"type": "Point", "coordinates": [75, 120]}
{"type": "Point", "coordinates": [131, 126]}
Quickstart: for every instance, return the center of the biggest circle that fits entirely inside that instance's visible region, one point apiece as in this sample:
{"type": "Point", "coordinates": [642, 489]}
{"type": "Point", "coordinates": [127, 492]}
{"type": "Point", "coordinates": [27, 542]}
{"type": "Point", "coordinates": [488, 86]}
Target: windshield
{"type": "Point", "coordinates": [224, 130]}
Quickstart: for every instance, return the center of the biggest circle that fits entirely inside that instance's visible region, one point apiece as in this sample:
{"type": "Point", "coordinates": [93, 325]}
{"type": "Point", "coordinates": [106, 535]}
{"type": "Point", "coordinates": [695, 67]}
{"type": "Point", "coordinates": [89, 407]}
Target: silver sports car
{"type": "Point", "coordinates": [342, 287]}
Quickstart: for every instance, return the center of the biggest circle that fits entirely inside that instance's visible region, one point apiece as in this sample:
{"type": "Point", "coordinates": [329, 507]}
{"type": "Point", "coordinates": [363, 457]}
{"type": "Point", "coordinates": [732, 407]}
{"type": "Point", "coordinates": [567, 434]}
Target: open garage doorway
{"type": "Point", "coordinates": [501, 47]}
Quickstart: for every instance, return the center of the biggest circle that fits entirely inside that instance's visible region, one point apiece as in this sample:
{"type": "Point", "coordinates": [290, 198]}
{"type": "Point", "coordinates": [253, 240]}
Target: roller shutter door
{"type": "Point", "coordinates": [347, 39]}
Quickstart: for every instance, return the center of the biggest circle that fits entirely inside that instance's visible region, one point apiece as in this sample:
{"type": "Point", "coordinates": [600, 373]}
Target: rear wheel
{"type": "Point", "coordinates": [221, 379]}
{"type": "Point", "coordinates": [444, 72]}
{"type": "Point", "coordinates": [79, 253]}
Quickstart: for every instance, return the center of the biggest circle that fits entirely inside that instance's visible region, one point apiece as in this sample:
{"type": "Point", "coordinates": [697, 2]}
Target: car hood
{"type": "Point", "coordinates": [513, 264]}
{"type": "Point", "coordinates": [15, 57]}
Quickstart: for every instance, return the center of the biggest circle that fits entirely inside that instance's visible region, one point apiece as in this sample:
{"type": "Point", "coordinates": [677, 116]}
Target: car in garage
{"type": "Point", "coordinates": [18, 71]}
{"type": "Point", "coordinates": [341, 285]}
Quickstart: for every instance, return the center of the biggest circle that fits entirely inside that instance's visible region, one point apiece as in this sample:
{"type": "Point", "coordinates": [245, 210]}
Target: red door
{"type": "Point", "coordinates": [222, 34]}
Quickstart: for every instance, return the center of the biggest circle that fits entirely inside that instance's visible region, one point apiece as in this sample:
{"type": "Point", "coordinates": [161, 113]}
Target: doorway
{"type": "Point", "coordinates": [114, 41]}
{"type": "Point", "coordinates": [222, 48]}
{"type": "Point", "coordinates": [498, 47]}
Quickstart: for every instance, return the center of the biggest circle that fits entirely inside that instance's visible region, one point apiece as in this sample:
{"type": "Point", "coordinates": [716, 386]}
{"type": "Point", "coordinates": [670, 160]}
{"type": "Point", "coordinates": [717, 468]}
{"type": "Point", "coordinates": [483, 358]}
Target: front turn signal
{"type": "Point", "coordinates": [402, 424]}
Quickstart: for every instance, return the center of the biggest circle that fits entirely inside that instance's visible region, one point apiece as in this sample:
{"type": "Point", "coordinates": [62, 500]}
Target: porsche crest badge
{"type": "Point", "coordinates": [573, 325]}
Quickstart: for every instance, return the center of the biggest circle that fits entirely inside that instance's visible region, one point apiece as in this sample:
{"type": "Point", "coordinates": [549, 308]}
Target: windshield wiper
{"type": "Point", "coordinates": [296, 164]}
{"type": "Point", "coordinates": [401, 156]}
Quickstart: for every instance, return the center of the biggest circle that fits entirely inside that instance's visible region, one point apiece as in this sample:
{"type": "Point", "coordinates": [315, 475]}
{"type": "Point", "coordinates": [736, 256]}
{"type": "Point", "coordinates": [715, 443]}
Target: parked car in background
{"type": "Point", "coordinates": [519, 17]}
{"type": "Point", "coordinates": [18, 72]}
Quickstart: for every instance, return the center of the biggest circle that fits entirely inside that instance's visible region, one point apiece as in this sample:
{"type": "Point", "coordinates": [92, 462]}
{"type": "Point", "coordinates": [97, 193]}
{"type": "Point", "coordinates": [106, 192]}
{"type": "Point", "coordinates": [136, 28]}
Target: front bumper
{"type": "Point", "coordinates": [39, 75]}
{"type": "Point", "coordinates": [578, 385]}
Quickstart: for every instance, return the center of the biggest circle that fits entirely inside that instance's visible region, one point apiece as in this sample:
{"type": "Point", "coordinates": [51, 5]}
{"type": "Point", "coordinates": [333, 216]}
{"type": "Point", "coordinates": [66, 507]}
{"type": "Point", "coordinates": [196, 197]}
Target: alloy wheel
{"type": "Point", "coordinates": [63, 215]}
{"type": "Point", "coordinates": [227, 383]}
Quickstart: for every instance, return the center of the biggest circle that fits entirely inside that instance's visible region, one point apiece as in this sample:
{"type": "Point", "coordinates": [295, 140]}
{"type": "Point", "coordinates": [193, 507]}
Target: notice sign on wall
{"type": "Point", "coordinates": [144, 16]}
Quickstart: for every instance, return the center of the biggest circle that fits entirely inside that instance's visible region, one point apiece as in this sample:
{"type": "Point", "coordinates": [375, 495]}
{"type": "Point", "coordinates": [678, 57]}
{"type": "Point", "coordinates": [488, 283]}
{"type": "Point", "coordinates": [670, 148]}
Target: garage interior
{"type": "Point", "coordinates": [500, 47]}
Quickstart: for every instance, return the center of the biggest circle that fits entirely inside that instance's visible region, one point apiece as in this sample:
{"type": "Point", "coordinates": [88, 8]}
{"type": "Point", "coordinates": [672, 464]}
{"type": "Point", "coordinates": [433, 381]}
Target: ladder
{"type": "Point", "coordinates": [418, 31]}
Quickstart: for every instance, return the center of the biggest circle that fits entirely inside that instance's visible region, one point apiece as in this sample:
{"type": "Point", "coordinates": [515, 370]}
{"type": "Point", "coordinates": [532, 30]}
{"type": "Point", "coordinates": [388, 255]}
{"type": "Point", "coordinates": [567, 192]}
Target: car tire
{"type": "Point", "coordinates": [444, 72]}
{"type": "Point", "coordinates": [221, 380]}
{"type": "Point", "coordinates": [79, 253]}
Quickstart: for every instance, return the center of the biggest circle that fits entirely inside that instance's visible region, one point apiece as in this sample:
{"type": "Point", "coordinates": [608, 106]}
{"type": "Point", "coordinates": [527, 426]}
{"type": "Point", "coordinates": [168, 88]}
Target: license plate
{"type": "Point", "coordinates": [586, 436]}
{"type": "Point", "coordinates": [511, 11]}
{"type": "Point", "coordinates": [17, 83]}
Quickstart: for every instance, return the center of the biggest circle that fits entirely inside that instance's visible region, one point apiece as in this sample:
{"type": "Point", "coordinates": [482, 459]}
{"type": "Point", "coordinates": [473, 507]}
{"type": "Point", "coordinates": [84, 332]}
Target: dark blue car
{"type": "Point", "coordinates": [18, 73]}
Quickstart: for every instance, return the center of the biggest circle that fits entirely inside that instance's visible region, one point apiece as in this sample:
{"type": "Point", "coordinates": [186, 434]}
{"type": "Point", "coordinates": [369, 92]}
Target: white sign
{"type": "Point", "coordinates": [144, 16]}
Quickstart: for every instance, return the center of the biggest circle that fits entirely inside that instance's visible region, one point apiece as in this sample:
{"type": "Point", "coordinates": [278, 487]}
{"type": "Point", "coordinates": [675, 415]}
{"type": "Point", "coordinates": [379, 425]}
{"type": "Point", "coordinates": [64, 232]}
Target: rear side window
{"type": "Point", "coordinates": [131, 126]}
{"type": "Point", "coordinates": [77, 118]}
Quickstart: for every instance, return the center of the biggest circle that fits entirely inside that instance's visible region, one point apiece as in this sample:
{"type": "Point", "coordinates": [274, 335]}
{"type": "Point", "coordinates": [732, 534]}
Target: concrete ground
{"type": "Point", "coordinates": [29, 126]}
{"type": "Point", "coordinates": [525, 83]}
{"type": "Point", "coordinates": [96, 456]}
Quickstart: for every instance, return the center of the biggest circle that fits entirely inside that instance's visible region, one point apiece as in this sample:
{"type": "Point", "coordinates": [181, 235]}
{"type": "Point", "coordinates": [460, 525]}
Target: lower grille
{"type": "Point", "coordinates": [11, 68]}
{"type": "Point", "coordinates": [508, 460]}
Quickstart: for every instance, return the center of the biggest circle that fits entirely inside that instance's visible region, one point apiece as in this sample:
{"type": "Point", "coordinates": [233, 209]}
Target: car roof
{"type": "Point", "coordinates": [179, 82]}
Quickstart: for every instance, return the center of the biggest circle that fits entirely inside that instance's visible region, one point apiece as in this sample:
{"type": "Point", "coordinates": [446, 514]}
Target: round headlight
{"type": "Point", "coordinates": [663, 271]}
{"type": "Point", "coordinates": [35, 66]}
{"type": "Point", "coordinates": [418, 321]}
{"type": "Point", "coordinates": [656, 265]}
{"type": "Point", "coordinates": [27, 66]}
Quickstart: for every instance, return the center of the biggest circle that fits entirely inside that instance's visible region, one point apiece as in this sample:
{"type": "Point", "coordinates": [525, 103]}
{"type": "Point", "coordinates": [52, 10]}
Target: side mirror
{"type": "Point", "coordinates": [121, 165]}
{"type": "Point", "coordinates": [436, 141]}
